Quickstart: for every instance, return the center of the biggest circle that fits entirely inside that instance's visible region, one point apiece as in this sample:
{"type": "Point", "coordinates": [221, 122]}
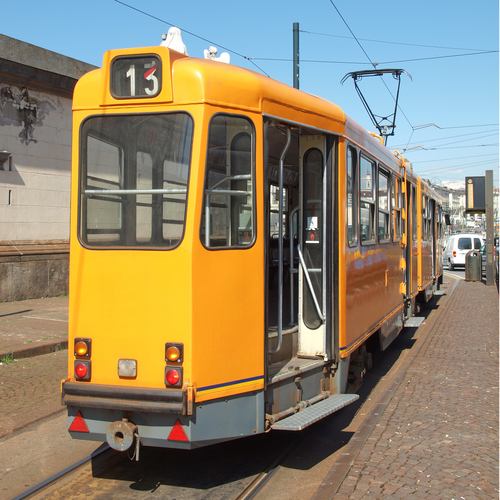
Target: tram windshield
{"type": "Point", "coordinates": [134, 173]}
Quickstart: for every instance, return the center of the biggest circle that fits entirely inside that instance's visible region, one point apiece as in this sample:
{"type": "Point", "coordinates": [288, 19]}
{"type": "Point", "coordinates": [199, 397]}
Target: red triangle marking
{"type": "Point", "coordinates": [177, 433]}
{"type": "Point", "coordinates": [78, 423]}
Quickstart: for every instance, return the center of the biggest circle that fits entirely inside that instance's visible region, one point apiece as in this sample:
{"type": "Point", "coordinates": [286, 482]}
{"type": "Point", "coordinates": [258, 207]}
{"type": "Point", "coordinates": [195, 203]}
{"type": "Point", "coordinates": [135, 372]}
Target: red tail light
{"type": "Point", "coordinates": [82, 370]}
{"type": "Point", "coordinates": [454, 254]}
{"type": "Point", "coordinates": [173, 376]}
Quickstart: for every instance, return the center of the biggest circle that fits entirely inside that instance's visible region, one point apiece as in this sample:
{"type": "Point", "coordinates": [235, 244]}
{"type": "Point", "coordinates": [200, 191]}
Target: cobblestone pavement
{"type": "Point", "coordinates": [33, 327]}
{"type": "Point", "coordinates": [30, 389]}
{"type": "Point", "coordinates": [438, 436]}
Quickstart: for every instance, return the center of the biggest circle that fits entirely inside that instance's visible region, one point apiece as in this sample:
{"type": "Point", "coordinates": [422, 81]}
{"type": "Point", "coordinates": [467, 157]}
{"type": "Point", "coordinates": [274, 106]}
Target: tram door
{"type": "Point", "coordinates": [412, 242]}
{"type": "Point", "coordinates": [433, 236]}
{"type": "Point", "coordinates": [312, 246]}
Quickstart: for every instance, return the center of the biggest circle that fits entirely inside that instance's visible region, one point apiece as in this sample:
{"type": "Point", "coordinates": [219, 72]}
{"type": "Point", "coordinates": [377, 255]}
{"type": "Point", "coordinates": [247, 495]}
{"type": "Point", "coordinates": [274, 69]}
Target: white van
{"type": "Point", "coordinates": [457, 247]}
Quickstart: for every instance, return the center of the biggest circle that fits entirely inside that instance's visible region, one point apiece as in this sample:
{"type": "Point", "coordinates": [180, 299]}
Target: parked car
{"type": "Point", "coordinates": [483, 259]}
{"type": "Point", "coordinates": [457, 247]}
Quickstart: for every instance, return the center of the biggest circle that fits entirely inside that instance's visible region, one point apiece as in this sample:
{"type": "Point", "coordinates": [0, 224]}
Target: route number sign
{"type": "Point", "coordinates": [136, 77]}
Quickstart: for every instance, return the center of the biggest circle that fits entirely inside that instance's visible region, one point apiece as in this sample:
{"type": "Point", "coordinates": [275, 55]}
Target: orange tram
{"type": "Point", "coordinates": [239, 248]}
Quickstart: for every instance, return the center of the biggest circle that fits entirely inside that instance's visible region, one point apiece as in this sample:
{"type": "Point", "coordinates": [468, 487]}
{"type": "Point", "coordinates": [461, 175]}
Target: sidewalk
{"type": "Point", "coordinates": [33, 360]}
{"type": "Point", "coordinates": [434, 434]}
{"type": "Point", "coordinates": [30, 390]}
{"type": "Point", "coordinates": [33, 327]}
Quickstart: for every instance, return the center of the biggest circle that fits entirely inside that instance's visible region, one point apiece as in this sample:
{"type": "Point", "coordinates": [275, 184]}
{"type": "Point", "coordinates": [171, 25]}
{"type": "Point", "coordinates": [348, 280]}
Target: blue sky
{"type": "Point", "coordinates": [441, 44]}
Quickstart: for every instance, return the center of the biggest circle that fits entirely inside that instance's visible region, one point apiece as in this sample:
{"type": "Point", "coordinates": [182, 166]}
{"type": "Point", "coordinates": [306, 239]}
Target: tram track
{"type": "Point", "coordinates": [265, 476]}
{"type": "Point", "coordinates": [40, 487]}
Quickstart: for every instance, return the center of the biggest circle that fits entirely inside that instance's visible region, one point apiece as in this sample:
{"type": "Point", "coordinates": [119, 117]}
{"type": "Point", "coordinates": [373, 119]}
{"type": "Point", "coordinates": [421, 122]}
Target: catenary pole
{"type": "Point", "coordinates": [296, 55]}
{"type": "Point", "coordinates": [490, 251]}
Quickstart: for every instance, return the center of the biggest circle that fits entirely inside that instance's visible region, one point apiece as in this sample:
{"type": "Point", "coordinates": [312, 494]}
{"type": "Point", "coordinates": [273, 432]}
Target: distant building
{"type": "Point", "coordinates": [36, 91]}
{"type": "Point", "coordinates": [454, 206]}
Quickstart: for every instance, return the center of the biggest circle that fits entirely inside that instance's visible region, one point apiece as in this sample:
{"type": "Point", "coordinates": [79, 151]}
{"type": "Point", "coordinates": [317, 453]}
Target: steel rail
{"type": "Point", "coordinates": [262, 479]}
{"type": "Point", "coordinates": [104, 448]}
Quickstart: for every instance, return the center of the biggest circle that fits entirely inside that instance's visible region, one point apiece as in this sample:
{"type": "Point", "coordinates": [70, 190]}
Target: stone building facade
{"type": "Point", "coordinates": [36, 89]}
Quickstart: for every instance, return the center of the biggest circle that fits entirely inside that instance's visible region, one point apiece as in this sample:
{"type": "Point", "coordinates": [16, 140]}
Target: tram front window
{"type": "Point", "coordinates": [134, 179]}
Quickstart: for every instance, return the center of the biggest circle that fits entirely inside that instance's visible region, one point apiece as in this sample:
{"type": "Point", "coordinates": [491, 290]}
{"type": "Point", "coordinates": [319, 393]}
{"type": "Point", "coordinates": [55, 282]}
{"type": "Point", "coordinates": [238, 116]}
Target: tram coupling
{"type": "Point", "coordinates": [122, 434]}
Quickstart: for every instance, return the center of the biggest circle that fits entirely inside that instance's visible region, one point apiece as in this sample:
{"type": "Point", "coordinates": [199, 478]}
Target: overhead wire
{"type": "Point", "coordinates": [464, 135]}
{"type": "Point", "coordinates": [372, 63]}
{"type": "Point", "coordinates": [457, 158]}
{"type": "Point", "coordinates": [191, 33]}
{"type": "Point", "coordinates": [442, 57]}
{"type": "Point", "coordinates": [391, 62]}
{"type": "Point", "coordinates": [422, 145]}
{"type": "Point", "coordinates": [390, 43]}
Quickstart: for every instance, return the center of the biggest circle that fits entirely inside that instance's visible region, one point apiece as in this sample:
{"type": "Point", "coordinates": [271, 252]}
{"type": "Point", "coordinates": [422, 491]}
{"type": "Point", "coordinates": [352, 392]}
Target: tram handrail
{"type": "Point", "coordinates": [135, 191]}
{"type": "Point", "coordinates": [239, 177]}
{"type": "Point", "coordinates": [280, 245]}
{"type": "Point", "coordinates": [228, 192]}
{"type": "Point", "coordinates": [292, 269]}
{"type": "Point", "coordinates": [308, 279]}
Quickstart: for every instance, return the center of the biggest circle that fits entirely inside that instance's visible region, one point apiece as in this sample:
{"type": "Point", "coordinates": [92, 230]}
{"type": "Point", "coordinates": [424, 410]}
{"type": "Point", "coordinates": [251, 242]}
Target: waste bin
{"type": "Point", "coordinates": [473, 266]}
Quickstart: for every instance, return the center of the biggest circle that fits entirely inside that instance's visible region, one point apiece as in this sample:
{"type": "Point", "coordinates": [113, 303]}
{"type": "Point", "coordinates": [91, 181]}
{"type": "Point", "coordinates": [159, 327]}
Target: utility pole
{"type": "Point", "coordinates": [296, 55]}
{"type": "Point", "coordinates": [490, 251]}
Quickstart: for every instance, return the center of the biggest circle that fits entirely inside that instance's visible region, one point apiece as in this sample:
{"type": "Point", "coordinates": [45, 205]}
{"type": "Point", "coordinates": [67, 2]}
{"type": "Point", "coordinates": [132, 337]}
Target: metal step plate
{"type": "Point", "coordinates": [312, 414]}
{"type": "Point", "coordinates": [440, 292]}
{"type": "Point", "coordinates": [414, 322]}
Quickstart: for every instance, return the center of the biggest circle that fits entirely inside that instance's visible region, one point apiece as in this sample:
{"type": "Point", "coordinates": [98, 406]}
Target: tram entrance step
{"type": "Point", "coordinates": [312, 414]}
{"type": "Point", "coordinates": [414, 321]}
{"type": "Point", "coordinates": [440, 292]}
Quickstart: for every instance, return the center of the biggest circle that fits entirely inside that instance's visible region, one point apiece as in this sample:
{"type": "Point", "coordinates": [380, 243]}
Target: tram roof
{"type": "Point", "coordinates": [189, 80]}
{"type": "Point", "coordinates": [194, 80]}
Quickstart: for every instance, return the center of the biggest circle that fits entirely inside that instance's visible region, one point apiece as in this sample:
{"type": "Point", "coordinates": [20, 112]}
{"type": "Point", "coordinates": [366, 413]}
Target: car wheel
{"type": "Point", "coordinates": [451, 266]}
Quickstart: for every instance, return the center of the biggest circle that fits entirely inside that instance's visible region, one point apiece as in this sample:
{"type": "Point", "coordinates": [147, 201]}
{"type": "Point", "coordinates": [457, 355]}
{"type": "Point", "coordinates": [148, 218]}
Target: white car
{"type": "Point", "coordinates": [457, 247]}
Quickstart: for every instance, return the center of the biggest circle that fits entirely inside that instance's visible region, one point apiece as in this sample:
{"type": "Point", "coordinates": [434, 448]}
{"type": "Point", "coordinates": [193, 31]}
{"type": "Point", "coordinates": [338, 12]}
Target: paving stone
{"type": "Point", "coordinates": [441, 425]}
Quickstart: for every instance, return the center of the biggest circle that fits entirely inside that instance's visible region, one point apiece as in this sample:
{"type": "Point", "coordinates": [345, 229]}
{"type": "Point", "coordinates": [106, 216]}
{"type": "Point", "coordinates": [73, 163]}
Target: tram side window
{"type": "Point", "coordinates": [367, 203]}
{"type": "Point", "coordinates": [425, 218]}
{"type": "Point", "coordinates": [440, 222]}
{"type": "Point", "coordinates": [396, 208]}
{"type": "Point", "coordinates": [384, 230]}
{"type": "Point", "coordinates": [228, 205]}
{"type": "Point", "coordinates": [352, 196]}
{"type": "Point", "coordinates": [414, 213]}
{"type": "Point", "coordinates": [134, 179]}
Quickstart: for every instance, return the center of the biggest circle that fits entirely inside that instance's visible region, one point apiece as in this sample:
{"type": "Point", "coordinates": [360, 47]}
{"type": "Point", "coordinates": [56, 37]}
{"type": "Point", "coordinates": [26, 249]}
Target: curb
{"type": "Point", "coordinates": [31, 352]}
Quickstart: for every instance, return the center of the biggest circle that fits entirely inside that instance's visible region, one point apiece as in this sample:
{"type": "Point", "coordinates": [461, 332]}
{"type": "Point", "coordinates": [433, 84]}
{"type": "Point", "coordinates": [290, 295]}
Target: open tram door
{"type": "Point", "coordinates": [299, 302]}
{"type": "Point", "coordinates": [312, 247]}
{"type": "Point", "coordinates": [300, 388]}
{"type": "Point", "coordinates": [298, 242]}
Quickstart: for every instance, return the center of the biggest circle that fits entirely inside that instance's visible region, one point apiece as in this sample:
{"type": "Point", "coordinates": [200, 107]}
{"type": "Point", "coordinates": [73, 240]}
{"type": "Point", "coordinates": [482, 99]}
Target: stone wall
{"type": "Point", "coordinates": [36, 90]}
{"type": "Point", "coordinates": [33, 270]}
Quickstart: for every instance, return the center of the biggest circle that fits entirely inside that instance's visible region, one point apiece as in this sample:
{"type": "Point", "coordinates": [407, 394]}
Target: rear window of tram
{"type": "Point", "coordinates": [229, 197]}
{"type": "Point", "coordinates": [134, 178]}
